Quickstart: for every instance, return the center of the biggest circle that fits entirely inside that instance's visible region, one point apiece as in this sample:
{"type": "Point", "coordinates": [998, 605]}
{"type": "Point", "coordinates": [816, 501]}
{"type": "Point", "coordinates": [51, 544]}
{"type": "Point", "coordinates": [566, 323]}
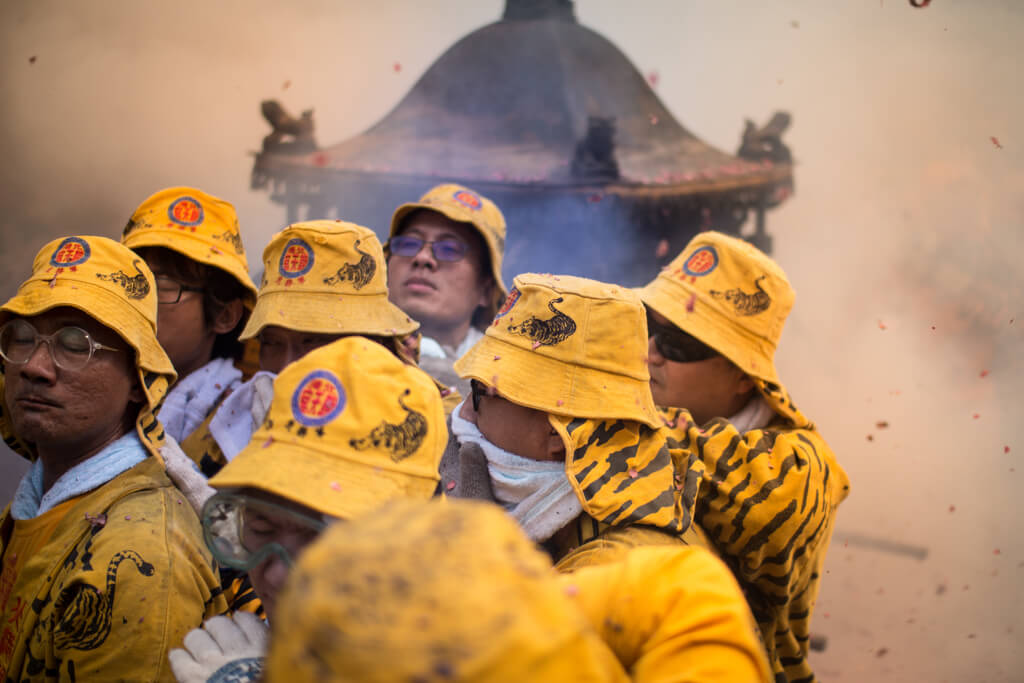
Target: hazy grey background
{"type": "Point", "coordinates": [903, 240]}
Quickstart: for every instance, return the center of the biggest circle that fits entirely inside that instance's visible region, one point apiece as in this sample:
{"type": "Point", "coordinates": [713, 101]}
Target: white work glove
{"type": "Point", "coordinates": [224, 649]}
{"type": "Point", "coordinates": [185, 474]}
{"type": "Point", "coordinates": [262, 395]}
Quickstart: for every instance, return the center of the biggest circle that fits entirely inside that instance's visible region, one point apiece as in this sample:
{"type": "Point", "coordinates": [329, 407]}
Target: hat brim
{"type": "Point", "coordinates": [343, 487]}
{"type": "Point", "coordinates": [553, 386]}
{"type": "Point", "coordinates": [323, 313]}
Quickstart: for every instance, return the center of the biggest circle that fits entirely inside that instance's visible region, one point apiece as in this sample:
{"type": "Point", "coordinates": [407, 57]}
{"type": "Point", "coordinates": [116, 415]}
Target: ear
{"type": "Point", "coordinates": [744, 383]}
{"type": "Point", "coordinates": [487, 286]}
{"type": "Point", "coordinates": [228, 317]}
{"type": "Point", "coordinates": [137, 395]}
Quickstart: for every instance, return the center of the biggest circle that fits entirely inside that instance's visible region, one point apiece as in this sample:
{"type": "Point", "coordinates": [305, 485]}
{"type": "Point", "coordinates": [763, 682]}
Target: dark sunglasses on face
{"type": "Point", "coordinates": [477, 391]}
{"type": "Point", "coordinates": [443, 250]}
{"type": "Point", "coordinates": [675, 345]}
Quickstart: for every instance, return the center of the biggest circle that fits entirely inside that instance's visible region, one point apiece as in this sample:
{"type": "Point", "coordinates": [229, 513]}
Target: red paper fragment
{"type": "Point", "coordinates": [995, 141]}
{"type": "Point", "coordinates": [536, 345]}
{"type": "Point", "coordinates": [662, 249]}
{"type": "Point", "coordinates": [450, 485]}
{"type": "Point", "coordinates": [633, 474]}
{"type": "Point", "coordinates": [654, 120]}
{"type": "Point", "coordinates": [286, 85]}
{"type": "Point", "coordinates": [397, 66]}
{"type": "Point", "coordinates": [952, 508]}
{"type": "Point", "coordinates": [335, 486]}
{"type": "Point", "coordinates": [976, 416]}
{"type": "Point", "coordinates": [497, 357]}
{"type": "Point", "coordinates": [320, 159]}
{"type": "Point", "coordinates": [882, 424]}
{"type": "Point", "coordinates": [881, 325]}
{"type": "Point", "coordinates": [653, 78]}
{"type": "Point", "coordinates": [984, 373]}
{"type": "Point", "coordinates": [996, 551]}
{"type": "Point", "coordinates": [559, 402]}
{"type": "Point", "coordinates": [99, 520]}
{"type": "Point", "coordinates": [128, 518]}
{"type": "Point", "coordinates": [571, 590]}
{"type": "Point", "coordinates": [1006, 449]}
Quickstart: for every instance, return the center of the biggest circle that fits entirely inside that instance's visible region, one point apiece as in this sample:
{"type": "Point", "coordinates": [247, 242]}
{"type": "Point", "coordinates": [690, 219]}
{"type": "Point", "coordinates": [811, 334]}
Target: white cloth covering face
{"type": "Point", "coordinates": [191, 399]}
{"type": "Point", "coordinates": [536, 493]}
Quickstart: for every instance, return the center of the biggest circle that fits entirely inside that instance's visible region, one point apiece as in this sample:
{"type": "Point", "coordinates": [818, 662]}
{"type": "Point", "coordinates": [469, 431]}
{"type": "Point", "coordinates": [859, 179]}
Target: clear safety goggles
{"type": "Point", "coordinates": [242, 531]}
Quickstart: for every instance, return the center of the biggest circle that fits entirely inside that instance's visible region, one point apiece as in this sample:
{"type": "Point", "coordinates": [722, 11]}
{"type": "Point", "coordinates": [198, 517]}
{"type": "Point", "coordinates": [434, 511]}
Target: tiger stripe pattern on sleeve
{"type": "Point", "coordinates": [767, 501]}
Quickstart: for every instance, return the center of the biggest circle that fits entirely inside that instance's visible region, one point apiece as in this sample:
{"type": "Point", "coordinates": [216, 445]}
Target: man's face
{"type": "Point", "coordinates": [280, 346]}
{"type": "Point", "coordinates": [181, 327]}
{"type": "Point", "coordinates": [263, 526]}
{"type": "Point", "coordinates": [517, 429]}
{"type": "Point", "coordinates": [439, 294]}
{"type": "Point", "coordinates": [77, 411]}
{"type": "Point", "coordinates": [707, 388]}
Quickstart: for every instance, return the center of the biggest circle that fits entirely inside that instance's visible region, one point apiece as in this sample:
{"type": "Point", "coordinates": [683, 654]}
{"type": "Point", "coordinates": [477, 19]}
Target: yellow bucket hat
{"type": "Point", "coordinates": [196, 225]}
{"type": "Point", "coordinates": [350, 426]}
{"type": "Point", "coordinates": [327, 277]}
{"type": "Point", "coordinates": [463, 205]}
{"type": "Point", "coordinates": [567, 346]}
{"type": "Point", "coordinates": [112, 284]}
{"type": "Point", "coordinates": [734, 298]}
{"type": "Point", "coordinates": [432, 591]}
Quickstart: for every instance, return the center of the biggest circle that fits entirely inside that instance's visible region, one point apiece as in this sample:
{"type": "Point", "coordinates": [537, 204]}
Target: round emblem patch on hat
{"type": "Point", "coordinates": [186, 212]}
{"type": "Point", "coordinates": [74, 251]}
{"type": "Point", "coordinates": [468, 199]}
{"type": "Point", "coordinates": [296, 260]}
{"type": "Point", "coordinates": [318, 399]}
{"type": "Point", "coordinates": [510, 302]}
{"type": "Point", "coordinates": [701, 262]}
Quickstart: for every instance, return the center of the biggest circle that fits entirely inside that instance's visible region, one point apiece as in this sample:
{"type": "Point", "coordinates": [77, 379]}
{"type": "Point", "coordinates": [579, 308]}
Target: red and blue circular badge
{"type": "Point", "coordinates": [470, 200]}
{"type": "Point", "coordinates": [318, 399]}
{"type": "Point", "coordinates": [296, 259]}
{"type": "Point", "coordinates": [186, 212]}
{"type": "Point", "coordinates": [701, 262]}
{"type": "Point", "coordinates": [73, 251]}
{"type": "Point", "coordinates": [510, 301]}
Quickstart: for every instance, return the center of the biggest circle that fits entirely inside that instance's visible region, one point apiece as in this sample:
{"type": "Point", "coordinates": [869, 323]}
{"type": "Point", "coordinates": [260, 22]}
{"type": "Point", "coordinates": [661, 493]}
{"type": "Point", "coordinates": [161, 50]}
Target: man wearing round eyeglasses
{"type": "Point", "coordinates": [444, 270]}
{"type": "Point", "coordinates": [100, 558]}
{"type": "Point", "coordinates": [350, 426]}
{"type": "Point", "coordinates": [771, 484]}
{"type": "Point", "coordinates": [191, 242]}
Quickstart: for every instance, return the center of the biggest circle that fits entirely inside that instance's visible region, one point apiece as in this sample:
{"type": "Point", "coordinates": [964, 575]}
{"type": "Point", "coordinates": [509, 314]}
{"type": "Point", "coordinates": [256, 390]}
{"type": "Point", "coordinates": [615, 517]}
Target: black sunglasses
{"type": "Point", "coordinates": [477, 390]}
{"type": "Point", "coordinates": [676, 345]}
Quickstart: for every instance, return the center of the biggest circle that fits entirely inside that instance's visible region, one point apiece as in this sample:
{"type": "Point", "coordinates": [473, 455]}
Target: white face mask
{"type": "Point", "coordinates": [536, 493]}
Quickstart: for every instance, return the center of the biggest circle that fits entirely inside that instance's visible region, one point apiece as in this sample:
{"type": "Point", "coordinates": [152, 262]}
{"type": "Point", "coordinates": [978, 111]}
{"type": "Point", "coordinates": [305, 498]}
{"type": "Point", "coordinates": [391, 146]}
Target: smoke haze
{"type": "Point", "coordinates": [903, 240]}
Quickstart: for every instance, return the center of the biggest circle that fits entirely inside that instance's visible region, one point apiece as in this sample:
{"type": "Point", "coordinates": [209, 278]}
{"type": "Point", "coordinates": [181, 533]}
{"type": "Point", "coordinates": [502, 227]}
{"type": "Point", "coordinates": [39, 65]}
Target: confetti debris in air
{"type": "Point", "coordinates": [320, 159]}
{"type": "Point", "coordinates": [882, 424]}
{"type": "Point", "coordinates": [995, 551]}
{"type": "Point", "coordinates": [497, 357]}
{"type": "Point", "coordinates": [335, 486]}
{"type": "Point", "coordinates": [976, 416]}
{"type": "Point", "coordinates": [286, 85]}
{"type": "Point", "coordinates": [995, 141]}
{"type": "Point", "coordinates": [654, 119]}
{"type": "Point", "coordinates": [96, 520]}
{"type": "Point", "coordinates": [1006, 449]}
{"type": "Point", "coordinates": [397, 66]}
{"type": "Point", "coordinates": [653, 77]}
{"type": "Point", "coordinates": [633, 474]}
{"type": "Point", "coordinates": [450, 485]}
{"type": "Point", "coordinates": [536, 345]}
{"type": "Point", "coordinates": [662, 250]}
{"type": "Point", "coordinates": [984, 373]}
{"type": "Point", "coordinates": [571, 590]}
{"type": "Point", "coordinates": [691, 303]}
{"type": "Point", "coordinates": [881, 325]}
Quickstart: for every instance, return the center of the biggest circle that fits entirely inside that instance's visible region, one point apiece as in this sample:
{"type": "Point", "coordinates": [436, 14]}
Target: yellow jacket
{"type": "Point", "coordinates": [767, 502]}
{"type": "Point", "coordinates": [672, 614]}
{"type": "Point", "coordinates": [124, 576]}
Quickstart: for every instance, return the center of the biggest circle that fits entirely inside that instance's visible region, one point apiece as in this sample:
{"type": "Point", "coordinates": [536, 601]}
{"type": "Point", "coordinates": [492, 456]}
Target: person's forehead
{"type": "Point", "coordinates": [65, 316]}
{"type": "Point", "coordinates": [267, 502]}
{"type": "Point", "coordinates": [285, 333]}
